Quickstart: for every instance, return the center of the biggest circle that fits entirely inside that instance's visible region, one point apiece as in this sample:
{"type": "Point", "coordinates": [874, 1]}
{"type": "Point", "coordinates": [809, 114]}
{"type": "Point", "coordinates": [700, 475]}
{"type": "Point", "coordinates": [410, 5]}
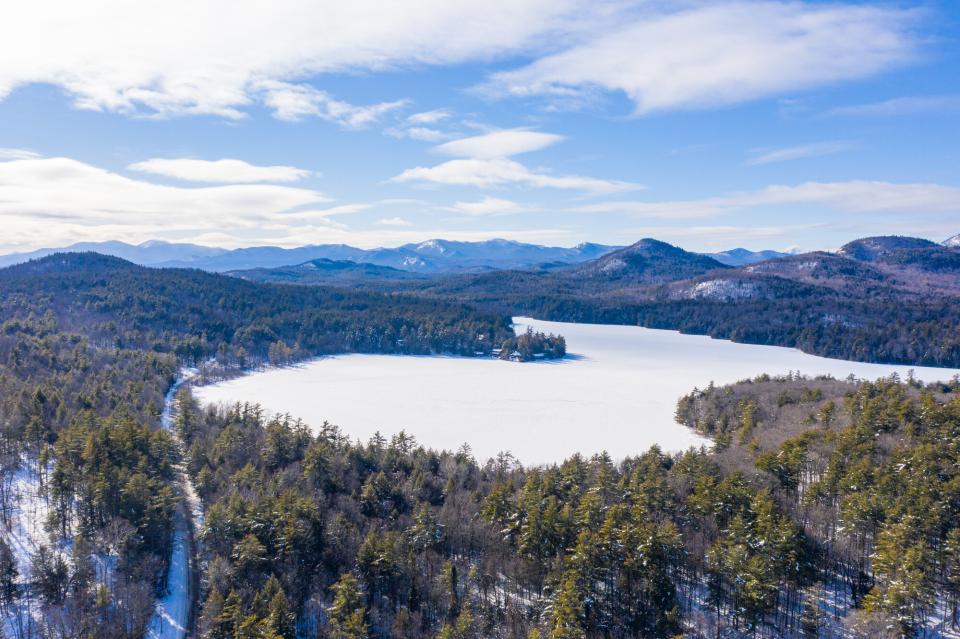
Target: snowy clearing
{"type": "Point", "coordinates": [617, 391]}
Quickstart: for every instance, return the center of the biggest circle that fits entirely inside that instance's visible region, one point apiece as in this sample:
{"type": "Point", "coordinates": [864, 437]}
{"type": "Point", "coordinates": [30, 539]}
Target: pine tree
{"type": "Point", "coordinates": [8, 574]}
{"type": "Point", "coordinates": [347, 614]}
{"type": "Point", "coordinates": [567, 612]}
{"type": "Point", "coordinates": [280, 617]}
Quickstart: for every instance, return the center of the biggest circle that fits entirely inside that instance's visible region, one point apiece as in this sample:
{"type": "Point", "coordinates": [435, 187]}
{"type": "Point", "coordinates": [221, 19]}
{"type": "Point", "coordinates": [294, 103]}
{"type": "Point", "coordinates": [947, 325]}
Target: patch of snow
{"type": "Point", "coordinates": [617, 391]}
{"type": "Point", "coordinates": [724, 289]}
{"type": "Point", "coordinates": [431, 245]}
{"type": "Point", "coordinates": [25, 533]}
{"type": "Point", "coordinates": [613, 265]}
{"type": "Point", "coordinates": [30, 512]}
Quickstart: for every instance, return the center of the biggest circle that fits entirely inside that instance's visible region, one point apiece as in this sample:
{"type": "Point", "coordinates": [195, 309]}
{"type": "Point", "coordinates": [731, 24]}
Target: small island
{"type": "Point", "coordinates": [531, 346]}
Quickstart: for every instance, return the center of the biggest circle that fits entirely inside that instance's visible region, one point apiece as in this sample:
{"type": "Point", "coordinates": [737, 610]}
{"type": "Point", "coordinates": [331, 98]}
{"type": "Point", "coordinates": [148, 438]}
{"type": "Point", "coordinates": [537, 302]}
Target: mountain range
{"type": "Point", "coordinates": [651, 268]}
{"type": "Point", "coordinates": [431, 256]}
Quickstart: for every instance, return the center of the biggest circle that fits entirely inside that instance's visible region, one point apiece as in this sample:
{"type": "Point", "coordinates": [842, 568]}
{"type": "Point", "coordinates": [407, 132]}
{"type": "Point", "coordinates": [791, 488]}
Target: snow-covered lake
{"type": "Point", "coordinates": [616, 392]}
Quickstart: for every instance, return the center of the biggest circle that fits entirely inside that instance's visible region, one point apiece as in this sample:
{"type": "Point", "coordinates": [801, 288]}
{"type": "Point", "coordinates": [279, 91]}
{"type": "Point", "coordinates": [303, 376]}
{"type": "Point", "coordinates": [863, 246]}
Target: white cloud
{"type": "Point", "coordinates": [217, 56]}
{"type": "Point", "coordinates": [226, 170]}
{"type": "Point", "coordinates": [721, 53]}
{"type": "Point", "coordinates": [224, 57]}
{"type": "Point", "coordinates": [488, 206]}
{"type": "Point", "coordinates": [62, 200]}
{"type": "Point", "coordinates": [908, 105]}
{"type": "Point", "coordinates": [429, 117]}
{"type": "Point", "coordinates": [17, 154]}
{"type": "Point", "coordinates": [394, 221]}
{"type": "Point", "coordinates": [422, 133]}
{"type": "Point", "coordinates": [859, 196]}
{"type": "Point", "coordinates": [496, 172]}
{"type": "Point", "coordinates": [294, 102]}
{"type": "Point", "coordinates": [817, 149]}
{"type": "Point", "coordinates": [498, 144]}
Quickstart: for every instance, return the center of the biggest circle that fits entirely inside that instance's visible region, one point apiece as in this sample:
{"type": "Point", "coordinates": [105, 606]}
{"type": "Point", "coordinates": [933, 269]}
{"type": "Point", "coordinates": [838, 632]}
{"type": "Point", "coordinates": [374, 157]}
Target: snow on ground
{"type": "Point", "coordinates": [617, 391]}
{"type": "Point", "coordinates": [27, 518]}
{"type": "Point", "coordinates": [171, 617]}
{"type": "Point", "coordinates": [25, 534]}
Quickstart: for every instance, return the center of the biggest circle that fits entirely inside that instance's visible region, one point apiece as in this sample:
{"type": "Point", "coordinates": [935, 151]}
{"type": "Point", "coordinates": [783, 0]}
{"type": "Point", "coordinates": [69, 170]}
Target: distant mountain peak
{"type": "Point", "coordinates": [649, 260]}
{"type": "Point", "coordinates": [742, 257]}
{"type": "Point", "coordinates": [868, 249]}
{"type": "Point", "coordinates": [953, 242]}
{"type": "Point", "coordinates": [432, 245]}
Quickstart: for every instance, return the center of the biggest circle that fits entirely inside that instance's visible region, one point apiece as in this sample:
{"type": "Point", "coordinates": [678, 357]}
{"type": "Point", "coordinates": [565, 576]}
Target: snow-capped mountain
{"type": "Point", "coordinates": [743, 257]}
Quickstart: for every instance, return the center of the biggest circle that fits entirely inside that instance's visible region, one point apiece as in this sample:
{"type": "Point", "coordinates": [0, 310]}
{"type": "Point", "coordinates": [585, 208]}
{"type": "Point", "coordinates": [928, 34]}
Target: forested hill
{"type": "Point", "coordinates": [194, 314]}
{"type": "Point", "coordinates": [901, 306]}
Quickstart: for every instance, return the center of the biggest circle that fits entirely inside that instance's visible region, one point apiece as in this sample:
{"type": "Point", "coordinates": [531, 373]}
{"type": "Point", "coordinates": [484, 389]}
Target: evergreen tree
{"type": "Point", "coordinates": [347, 614]}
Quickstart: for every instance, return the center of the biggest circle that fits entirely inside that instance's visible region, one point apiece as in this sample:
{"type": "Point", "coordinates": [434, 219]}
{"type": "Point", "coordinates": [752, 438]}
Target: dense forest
{"type": "Point", "coordinates": [196, 315]}
{"type": "Point", "coordinates": [89, 346]}
{"type": "Point", "coordinates": [826, 508]}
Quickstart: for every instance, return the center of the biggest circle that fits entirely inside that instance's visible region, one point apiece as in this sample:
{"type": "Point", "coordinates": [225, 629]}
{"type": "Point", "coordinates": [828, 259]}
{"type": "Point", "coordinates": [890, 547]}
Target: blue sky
{"type": "Point", "coordinates": [707, 124]}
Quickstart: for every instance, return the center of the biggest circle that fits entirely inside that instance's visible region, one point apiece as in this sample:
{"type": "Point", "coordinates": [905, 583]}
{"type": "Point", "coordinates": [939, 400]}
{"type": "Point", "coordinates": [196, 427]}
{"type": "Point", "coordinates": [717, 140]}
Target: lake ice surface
{"type": "Point", "coordinates": [616, 392]}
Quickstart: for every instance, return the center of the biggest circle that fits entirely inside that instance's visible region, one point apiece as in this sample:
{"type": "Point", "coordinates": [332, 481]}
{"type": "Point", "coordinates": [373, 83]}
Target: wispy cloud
{"type": "Point", "coordinates": [17, 154]}
{"type": "Point", "coordinates": [817, 149]}
{"type": "Point", "coordinates": [197, 58]}
{"type": "Point", "coordinates": [207, 58]}
{"type": "Point", "coordinates": [717, 54]}
{"type": "Point", "coordinates": [907, 105]}
{"type": "Point", "coordinates": [429, 117]}
{"type": "Point", "coordinates": [499, 144]}
{"type": "Point", "coordinates": [421, 133]}
{"type": "Point", "coordinates": [294, 102]}
{"type": "Point", "coordinates": [853, 196]}
{"type": "Point", "coordinates": [394, 221]}
{"type": "Point", "coordinates": [60, 200]}
{"type": "Point", "coordinates": [223, 171]}
{"type": "Point", "coordinates": [499, 172]}
{"type": "Point", "coordinates": [489, 206]}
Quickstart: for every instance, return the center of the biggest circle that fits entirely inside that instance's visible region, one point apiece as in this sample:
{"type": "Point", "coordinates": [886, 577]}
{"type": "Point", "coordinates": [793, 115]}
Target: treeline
{"type": "Point", "coordinates": [531, 345]}
{"type": "Point", "coordinates": [196, 315]}
{"type": "Point", "coordinates": [918, 331]}
{"type": "Point", "coordinates": [829, 508]}
{"type": "Point", "coordinates": [839, 308]}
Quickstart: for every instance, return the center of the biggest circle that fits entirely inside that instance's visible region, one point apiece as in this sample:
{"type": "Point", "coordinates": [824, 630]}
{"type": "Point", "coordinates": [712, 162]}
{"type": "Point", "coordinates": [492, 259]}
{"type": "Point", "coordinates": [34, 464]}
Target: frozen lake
{"type": "Point", "coordinates": [617, 392]}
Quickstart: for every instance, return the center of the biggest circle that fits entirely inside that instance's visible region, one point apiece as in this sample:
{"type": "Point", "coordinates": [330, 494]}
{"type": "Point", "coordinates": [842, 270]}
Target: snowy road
{"type": "Point", "coordinates": [171, 618]}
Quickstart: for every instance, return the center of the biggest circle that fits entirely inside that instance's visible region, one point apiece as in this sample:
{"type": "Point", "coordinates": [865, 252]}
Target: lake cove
{"type": "Point", "coordinates": [616, 391]}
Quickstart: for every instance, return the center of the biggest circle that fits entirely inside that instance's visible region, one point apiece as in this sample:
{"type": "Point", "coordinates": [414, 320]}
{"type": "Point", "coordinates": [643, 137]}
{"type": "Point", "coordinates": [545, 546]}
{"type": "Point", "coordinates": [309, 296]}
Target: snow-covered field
{"type": "Point", "coordinates": [616, 392]}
